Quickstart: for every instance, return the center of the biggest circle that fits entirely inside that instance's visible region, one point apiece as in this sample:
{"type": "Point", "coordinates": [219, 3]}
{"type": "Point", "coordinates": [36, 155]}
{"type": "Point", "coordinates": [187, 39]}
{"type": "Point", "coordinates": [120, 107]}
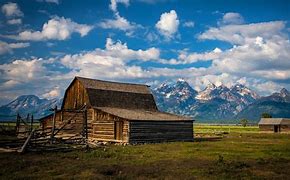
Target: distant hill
{"type": "Point", "coordinates": [277, 104]}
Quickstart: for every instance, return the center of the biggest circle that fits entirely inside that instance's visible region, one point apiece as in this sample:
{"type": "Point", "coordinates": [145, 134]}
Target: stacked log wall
{"type": "Point", "coordinates": [160, 131]}
{"type": "Point", "coordinates": [103, 127]}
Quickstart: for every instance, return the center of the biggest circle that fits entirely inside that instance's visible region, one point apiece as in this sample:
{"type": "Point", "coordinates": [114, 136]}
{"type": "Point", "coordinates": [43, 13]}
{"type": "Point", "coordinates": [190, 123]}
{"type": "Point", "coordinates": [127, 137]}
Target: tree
{"type": "Point", "coordinates": [244, 122]}
{"type": "Point", "coordinates": [266, 115]}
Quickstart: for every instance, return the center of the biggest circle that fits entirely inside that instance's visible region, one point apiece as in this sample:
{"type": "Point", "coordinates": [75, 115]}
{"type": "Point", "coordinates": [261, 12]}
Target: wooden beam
{"type": "Point", "coordinates": [26, 142]}
{"type": "Point", "coordinates": [31, 123]}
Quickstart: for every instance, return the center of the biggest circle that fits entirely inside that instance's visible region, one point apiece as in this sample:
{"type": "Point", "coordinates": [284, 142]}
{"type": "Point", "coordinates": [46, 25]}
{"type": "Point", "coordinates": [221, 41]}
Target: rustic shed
{"type": "Point", "coordinates": [118, 112]}
{"type": "Point", "coordinates": [274, 124]}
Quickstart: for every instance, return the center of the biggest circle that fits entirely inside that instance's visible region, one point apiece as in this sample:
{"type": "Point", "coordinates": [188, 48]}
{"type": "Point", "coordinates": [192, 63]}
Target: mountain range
{"type": "Point", "coordinates": [213, 104]}
{"type": "Point", "coordinates": [28, 104]}
{"type": "Point", "coordinates": [220, 103]}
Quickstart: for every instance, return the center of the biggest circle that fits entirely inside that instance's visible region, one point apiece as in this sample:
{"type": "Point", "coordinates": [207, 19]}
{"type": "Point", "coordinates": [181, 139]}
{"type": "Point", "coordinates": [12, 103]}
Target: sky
{"type": "Point", "coordinates": [44, 44]}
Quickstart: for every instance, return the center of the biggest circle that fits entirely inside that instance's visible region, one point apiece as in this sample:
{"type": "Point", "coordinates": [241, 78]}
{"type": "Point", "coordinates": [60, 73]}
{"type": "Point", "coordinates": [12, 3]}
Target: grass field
{"type": "Point", "coordinates": [212, 129]}
{"type": "Point", "coordinates": [242, 154]}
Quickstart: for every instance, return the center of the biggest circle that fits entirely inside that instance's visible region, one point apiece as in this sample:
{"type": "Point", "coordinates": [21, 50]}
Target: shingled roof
{"type": "Point", "coordinates": [274, 121]}
{"type": "Point", "coordinates": [118, 95]}
{"type": "Point", "coordinates": [141, 115]}
{"type": "Point", "coordinates": [114, 86]}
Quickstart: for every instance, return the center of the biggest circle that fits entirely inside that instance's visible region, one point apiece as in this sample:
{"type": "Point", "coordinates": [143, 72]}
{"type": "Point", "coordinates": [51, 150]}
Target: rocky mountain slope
{"type": "Point", "coordinates": [213, 103]}
{"type": "Point", "coordinates": [28, 104]}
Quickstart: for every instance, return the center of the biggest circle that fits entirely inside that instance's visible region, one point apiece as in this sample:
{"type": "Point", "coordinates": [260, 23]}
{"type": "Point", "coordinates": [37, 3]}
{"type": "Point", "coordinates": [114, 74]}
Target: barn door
{"type": "Point", "coordinates": [118, 130]}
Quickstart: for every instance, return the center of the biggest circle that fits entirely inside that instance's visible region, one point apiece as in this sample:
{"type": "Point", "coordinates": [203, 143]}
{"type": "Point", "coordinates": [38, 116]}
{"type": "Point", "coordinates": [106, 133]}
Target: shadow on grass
{"type": "Point", "coordinates": [208, 139]}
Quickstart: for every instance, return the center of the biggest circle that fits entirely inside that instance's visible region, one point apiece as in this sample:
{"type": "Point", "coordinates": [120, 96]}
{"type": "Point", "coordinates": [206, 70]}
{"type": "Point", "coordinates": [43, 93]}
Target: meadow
{"type": "Point", "coordinates": [218, 152]}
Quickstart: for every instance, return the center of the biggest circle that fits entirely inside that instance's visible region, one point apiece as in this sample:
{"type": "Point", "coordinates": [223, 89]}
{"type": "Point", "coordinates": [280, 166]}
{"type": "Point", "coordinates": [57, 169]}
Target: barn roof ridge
{"type": "Point", "coordinates": [113, 82]}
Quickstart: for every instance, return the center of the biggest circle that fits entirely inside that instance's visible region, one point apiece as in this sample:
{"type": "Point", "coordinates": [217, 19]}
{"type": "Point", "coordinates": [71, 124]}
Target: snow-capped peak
{"type": "Point", "coordinates": [284, 92]}
{"type": "Point", "coordinates": [181, 80]}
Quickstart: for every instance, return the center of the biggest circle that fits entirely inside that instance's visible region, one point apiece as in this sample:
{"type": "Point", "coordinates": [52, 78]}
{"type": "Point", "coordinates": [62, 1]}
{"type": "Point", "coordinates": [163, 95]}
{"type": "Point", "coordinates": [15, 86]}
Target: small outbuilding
{"type": "Point", "coordinates": [117, 112]}
{"type": "Point", "coordinates": [274, 124]}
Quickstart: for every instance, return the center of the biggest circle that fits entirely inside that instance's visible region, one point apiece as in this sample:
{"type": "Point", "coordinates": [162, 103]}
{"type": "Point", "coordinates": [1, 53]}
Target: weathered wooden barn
{"type": "Point", "coordinates": [117, 112]}
{"type": "Point", "coordinates": [274, 124]}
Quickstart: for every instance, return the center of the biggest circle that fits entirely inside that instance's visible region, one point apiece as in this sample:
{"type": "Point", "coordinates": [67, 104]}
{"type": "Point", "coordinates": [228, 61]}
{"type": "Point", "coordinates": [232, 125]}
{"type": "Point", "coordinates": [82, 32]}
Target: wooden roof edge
{"type": "Point", "coordinates": [185, 118]}
{"type": "Point", "coordinates": [79, 77]}
{"type": "Point", "coordinates": [41, 119]}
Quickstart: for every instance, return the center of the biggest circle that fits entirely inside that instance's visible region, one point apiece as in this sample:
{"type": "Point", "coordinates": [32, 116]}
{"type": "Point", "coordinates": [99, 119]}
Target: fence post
{"type": "Point", "coordinates": [85, 126]}
{"type": "Point", "coordinates": [53, 125]}
{"type": "Point", "coordinates": [31, 123]}
{"type": "Point", "coordinates": [17, 124]}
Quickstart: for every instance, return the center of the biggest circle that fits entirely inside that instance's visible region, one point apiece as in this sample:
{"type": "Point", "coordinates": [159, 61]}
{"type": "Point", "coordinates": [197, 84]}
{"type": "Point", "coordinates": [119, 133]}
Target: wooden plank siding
{"type": "Point", "coordinates": [75, 126]}
{"type": "Point", "coordinates": [282, 128]}
{"type": "Point", "coordinates": [103, 127]}
{"type": "Point", "coordinates": [160, 131]}
{"type": "Point", "coordinates": [75, 96]}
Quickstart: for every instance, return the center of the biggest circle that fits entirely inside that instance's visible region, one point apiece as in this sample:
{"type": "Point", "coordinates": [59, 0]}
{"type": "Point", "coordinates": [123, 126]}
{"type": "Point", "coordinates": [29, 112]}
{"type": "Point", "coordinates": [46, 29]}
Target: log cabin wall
{"type": "Point", "coordinates": [285, 128]}
{"type": "Point", "coordinates": [266, 127]}
{"type": "Point", "coordinates": [104, 127]}
{"type": "Point", "coordinates": [46, 122]}
{"type": "Point", "coordinates": [160, 131]}
{"type": "Point", "coordinates": [76, 122]}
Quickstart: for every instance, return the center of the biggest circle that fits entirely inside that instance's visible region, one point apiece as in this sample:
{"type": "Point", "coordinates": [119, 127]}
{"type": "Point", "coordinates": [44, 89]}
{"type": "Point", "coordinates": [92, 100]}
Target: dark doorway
{"type": "Point", "coordinates": [276, 128]}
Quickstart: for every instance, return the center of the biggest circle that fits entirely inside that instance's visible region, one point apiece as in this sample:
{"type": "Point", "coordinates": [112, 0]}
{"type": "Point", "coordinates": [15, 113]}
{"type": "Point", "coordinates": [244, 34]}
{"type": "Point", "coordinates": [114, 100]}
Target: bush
{"type": "Point", "coordinates": [266, 115]}
{"type": "Point", "coordinates": [244, 122]}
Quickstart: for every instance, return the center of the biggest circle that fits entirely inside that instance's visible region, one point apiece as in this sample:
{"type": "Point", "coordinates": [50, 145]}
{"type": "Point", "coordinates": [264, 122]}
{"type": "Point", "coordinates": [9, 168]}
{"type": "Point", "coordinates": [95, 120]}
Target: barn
{"type": "Point", "coordinates": [116, 112]}
{"type": "Point", "coordinates": [274, 124]}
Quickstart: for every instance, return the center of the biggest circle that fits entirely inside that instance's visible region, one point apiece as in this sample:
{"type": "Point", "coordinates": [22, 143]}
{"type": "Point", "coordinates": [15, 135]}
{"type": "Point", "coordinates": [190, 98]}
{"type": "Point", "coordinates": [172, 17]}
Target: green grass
{"type": "Point", "coordinates": [237, 155]}
{"type": "Point", "coordinates": [208, 129]}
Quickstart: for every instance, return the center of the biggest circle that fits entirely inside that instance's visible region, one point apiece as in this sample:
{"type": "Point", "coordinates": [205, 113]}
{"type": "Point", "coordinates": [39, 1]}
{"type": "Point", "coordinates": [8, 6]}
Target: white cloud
{"type": "Point", "coordinates": [232, 18]}
{"type": "Point", "coordinates": [247, 33]}
{"type": "Point", "coordinates": [261, 51]}
{"type": "Point", "coordinates": [118, 23]}
{"type": "Point", "coordinates": [53, 93]}
{"type": "Point", "coordinates": [189, 24]}
{"type": "Point", "coordinates": [113, 5]}
{"type": "Point", "coordinates": [168, 24]}
{"type": "Point", "coordinates": [23, 70]}
{"type": "Point", "coordinates": [14, 21]}
{"type": "Point", "coordinates": [58, 28]}
{"type": "Point", "coordinates": [110, 62]}
{"type": "Point", "coordinates": [11, 10]}
{"type": "Point", "coordinates": [50, 1]}
{"type": "Point", "coordinates": [6, 47]}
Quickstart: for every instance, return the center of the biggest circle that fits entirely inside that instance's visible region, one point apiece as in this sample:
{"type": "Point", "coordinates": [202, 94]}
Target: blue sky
{"type": "Point", "coordinates": [45, 43]}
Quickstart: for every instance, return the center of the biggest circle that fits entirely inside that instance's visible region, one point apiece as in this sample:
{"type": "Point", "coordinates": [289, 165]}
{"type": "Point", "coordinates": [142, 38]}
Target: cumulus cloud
{"type": "Point", "coordinates": [11, 10]}
{"type": "Point", "coordinates": [119, 22]}
{"type": "Point", "coordinates": [232, 18]}
{"type": "Point", "coordinates": [23, 70]}
{"type": "Point", "coordinates": [189, 24]}
{"type": "Point", "coordinates": [7, 48]}
{"type": "Point", "coordinates": [110, 62]}
{"type": "Point", "coordinates": [242, 34]}
{"type": "Point", "coordinates": [260, 53]}
{"type": "Point", "coordinates": [168, 24]}
{"type": "Point", "coordinates": [58, 28]}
